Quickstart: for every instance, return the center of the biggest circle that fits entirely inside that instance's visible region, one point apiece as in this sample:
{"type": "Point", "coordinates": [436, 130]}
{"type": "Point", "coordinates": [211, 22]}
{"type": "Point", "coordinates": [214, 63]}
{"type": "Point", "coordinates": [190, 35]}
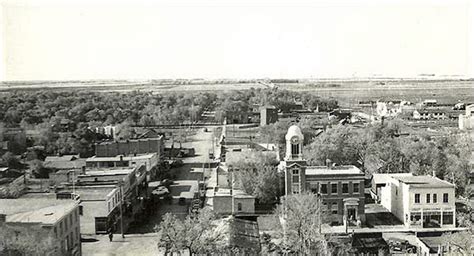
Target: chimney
{"type": "Point", "coordinates": [434, 173]}
{"type": "Point", "coordinates": [121, 158]}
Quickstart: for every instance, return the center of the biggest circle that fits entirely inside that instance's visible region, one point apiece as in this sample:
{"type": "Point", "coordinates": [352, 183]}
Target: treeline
{"type": "Point", "coordinates": [60, 120]}
{"type": "Point", "coordinates": [380, 148]}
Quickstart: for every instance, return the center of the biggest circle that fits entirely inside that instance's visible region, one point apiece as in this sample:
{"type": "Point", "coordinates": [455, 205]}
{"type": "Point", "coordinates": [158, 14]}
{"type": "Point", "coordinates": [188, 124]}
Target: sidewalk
{"type": "Point", "coordinates": [142, 244]}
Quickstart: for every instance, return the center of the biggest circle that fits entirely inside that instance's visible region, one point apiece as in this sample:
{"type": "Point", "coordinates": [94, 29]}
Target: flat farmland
{"type": "Point", "coordinates": [347, 92]}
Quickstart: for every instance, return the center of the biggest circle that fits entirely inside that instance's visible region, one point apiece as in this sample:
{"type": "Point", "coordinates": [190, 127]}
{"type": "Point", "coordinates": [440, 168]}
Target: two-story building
{"type": "Point", "coordinates": [56, 218]}
{"type": "Point", "coordinates": [341, 187]}
{"type": "Point", "coordinates": [420, 201]}
{"type": "Point", "coordinates": [150, 161]}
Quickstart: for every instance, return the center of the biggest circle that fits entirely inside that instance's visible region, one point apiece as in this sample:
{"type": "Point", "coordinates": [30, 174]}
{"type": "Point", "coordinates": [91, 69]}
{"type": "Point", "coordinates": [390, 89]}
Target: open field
{"type": "Point", "coordinates": [348, 92]}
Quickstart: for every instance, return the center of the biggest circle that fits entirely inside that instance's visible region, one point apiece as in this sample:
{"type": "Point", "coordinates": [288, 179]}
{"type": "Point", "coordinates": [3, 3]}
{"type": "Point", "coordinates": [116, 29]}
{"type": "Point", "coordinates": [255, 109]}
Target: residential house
{"type": "Point", "coordinates": [341, 187]}
{"type": "Point", "coordinates": [420, 201]}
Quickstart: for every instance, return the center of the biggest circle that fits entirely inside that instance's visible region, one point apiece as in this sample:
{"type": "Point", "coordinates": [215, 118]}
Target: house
{"type": "Point", "coordinates": [130, 147]}
{"type": "Point", "coordinates": [268, 115]}
{"type": "Point", "coordinates": [420, 201]}
{"type": "Point", "coordinates": [58, 218]}
{"type": "Point", "coordinates": [380, 180]}
{"type": "Point", "coordinates": [341, 187]}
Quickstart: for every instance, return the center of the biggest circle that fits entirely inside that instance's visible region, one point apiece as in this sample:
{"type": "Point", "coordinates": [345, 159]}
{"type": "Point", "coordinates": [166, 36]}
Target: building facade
{"type": "Point", "coordinates": [420, 201]}
{"type": "Point", "coordinates": [341, 188]}
{"type": "Point", "coordinates": [60, 221]}
{"type": "Point", "coordinates": [130, 147]}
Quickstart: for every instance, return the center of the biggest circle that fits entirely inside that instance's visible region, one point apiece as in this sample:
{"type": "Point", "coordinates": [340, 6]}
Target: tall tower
{"type": "Point", "coordinates": [294, 163]}
{"type": "Point", "coordinates": [294, 144]}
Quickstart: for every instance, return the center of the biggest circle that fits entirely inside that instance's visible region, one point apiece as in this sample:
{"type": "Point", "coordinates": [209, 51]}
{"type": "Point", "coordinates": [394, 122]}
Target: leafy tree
{"type": "Point", "coordinates": [195, 234]}
{"type": "Point", "coordinates": [11, 161]}
{"type": "Point", "coordinates": [300, 219]}
{"type": "Point", "coordinates": [459, 243]}
{"type": "Point", "coordinates": [257, 175]}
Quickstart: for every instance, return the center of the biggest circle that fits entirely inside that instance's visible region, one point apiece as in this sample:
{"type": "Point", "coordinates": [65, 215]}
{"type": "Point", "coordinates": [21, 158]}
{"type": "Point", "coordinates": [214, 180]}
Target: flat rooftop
{"type": "Point", "coordinates": [46, 215]}
{"type": "Point", "coordinates": [383, 178]}
{"type": "Point", "coordinates": [108, 172]}
{"type": "Point", "coordinates": [335, 170]}
{"type": "Point", "coordinates": [117, 158]}
{"type": "Point", "coordinates": [424, 181]}
{"type": "Point", "coordinates": [25, 204]}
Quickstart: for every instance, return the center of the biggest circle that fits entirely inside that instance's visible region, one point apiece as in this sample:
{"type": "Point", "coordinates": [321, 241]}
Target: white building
{"type": "Point", "coordinates": [420, 201]}
{"type": "Point", "coordinates": [466, 121]}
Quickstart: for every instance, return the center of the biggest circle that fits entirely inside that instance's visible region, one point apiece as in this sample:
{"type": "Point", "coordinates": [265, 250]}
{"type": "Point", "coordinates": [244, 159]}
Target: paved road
{"type": "Point", "coordinates": [143, 240]}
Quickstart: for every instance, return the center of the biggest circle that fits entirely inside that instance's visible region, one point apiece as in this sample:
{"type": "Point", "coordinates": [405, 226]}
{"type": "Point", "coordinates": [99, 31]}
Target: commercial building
{"type": "Point", "coordinates": [341, 187]}
{"type": "Point", "coordinates": [150, 161]}
{"type": "Point", "coordinates": [47, 217]}
{"type": "Point", "coordinates": [64, 162]}
{"type": "Point", "coordinates": [420, 201]}
{"type": "Point", "coordinates": [107, 195]}
{"type": "Point", "coordinates": [130, 147]}
{"type": "Point", "coordinates": [380, 180]}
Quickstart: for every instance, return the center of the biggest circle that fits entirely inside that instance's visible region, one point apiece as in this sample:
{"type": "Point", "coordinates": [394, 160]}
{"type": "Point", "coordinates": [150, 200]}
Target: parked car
{"type": "Point", "coordinates": [402, 246]}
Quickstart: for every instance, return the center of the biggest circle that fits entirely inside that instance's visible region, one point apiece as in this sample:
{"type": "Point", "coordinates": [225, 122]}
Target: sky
{"type": "Point", "coordinates": [105, 39]}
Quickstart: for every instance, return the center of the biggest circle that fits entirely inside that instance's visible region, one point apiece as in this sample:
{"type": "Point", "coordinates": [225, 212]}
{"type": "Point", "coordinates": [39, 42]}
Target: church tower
{"type": "Point", "coordinates": [294, 164]}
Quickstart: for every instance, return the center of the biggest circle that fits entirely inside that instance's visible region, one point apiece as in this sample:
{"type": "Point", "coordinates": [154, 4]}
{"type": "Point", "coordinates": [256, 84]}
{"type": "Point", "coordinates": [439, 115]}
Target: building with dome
{"type": "Point", "coordinates": [341, 188]}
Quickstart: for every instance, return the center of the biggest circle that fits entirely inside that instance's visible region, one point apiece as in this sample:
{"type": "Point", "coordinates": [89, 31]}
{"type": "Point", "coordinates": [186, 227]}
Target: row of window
{"type": "Point", "coordinates": [334, 188]}
{"type": "Point", "coordinates": [433, 199]}
{"type": "Point", "coordinates": [67, 222]}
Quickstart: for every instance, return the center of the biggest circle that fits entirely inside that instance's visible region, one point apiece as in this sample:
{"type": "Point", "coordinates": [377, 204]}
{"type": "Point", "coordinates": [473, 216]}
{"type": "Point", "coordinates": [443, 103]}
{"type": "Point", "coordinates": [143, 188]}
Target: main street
{"type": "Point", "coordinates": [142, 239]}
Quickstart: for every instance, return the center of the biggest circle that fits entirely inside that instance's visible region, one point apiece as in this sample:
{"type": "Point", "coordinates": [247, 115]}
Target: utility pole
{"type": "Point", "coordinates": [232, 188]}
{"type": "Point", "coordinates": [320, 208]}
{"type": "Point", "coordinates": [121, 210]}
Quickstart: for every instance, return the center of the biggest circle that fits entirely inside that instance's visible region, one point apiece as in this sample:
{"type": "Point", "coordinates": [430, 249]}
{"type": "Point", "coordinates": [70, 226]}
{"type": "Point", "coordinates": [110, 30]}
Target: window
{"type": "Point", "coordinates": [70, 220]}
{"type": "Point", "coordinates": [314, 188]}
{"type": "Point", "coordinates": [417, 198]}
{"type": "Point", "coordinates": [295, 150]}
{"type": "Point", "coordinates": [334, 188]}
{"type": "Point", "coordinates": [81, 210]}
{"type": "Point", "coordinates": [296, 172]}
{"type": "Point", "coordinates": [445, 198]}
{"type": "Point", "coordinates": [428, 198]}
{"type": "Point", "coordinates": [324, 188]}
{"type": "Point", "coordinates": [239, 207]}
{"type": "Point", "coordinates": [435, 198]}
{"type": "Point", "coordinates": [345, 188]}
{"type": "Point", "coordinates": [355, 188]}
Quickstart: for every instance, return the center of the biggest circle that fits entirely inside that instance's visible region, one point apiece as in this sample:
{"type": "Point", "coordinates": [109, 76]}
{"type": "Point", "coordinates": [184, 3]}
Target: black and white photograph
{"type": "Point", "coordinates": [236, 127]}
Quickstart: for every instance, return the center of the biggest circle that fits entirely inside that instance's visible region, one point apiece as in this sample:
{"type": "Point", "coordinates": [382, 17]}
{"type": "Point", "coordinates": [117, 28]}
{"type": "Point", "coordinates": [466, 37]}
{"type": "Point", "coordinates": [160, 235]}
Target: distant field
{"type": "Point", "coordinates": [348, 92]}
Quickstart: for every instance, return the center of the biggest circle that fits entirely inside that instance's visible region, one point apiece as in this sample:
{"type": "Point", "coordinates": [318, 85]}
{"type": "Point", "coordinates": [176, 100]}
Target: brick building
{"type": "Point", "coordinates": [341, 187]}
{"type": "Point", "coordinates": [130, 147]}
